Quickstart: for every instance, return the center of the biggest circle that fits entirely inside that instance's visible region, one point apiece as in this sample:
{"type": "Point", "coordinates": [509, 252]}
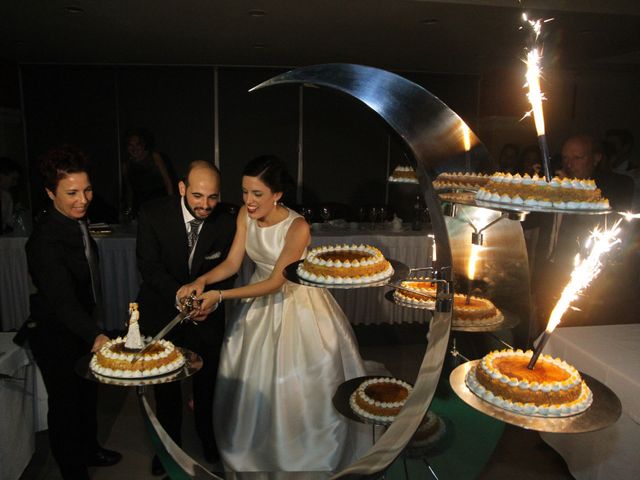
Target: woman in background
{"type": "Point", "coordinates": [287, 347]}
{"type": "Point", "coordinates": [145, 173]}
{"type": "Point", "coordinates": [65, 309]}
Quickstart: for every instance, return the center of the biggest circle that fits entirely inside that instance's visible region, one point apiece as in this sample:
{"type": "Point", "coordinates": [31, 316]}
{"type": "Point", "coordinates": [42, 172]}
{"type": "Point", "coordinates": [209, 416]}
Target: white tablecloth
{"type": "Point", "coordinates": [118, 268]}
{"type": "Point", "coordinates": [610, 354]}
{"type": "Point", "coordinates": [23, 407]}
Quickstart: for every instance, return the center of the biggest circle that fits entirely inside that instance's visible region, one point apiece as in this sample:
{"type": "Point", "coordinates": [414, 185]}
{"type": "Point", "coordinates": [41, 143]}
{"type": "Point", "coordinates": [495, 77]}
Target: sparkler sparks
{"type": "Point", "coordinates": [599, 243]}
{"type": "Point", "coordinates": [628, 216]}
{"type": "Point", "coordinates": [586, 269]}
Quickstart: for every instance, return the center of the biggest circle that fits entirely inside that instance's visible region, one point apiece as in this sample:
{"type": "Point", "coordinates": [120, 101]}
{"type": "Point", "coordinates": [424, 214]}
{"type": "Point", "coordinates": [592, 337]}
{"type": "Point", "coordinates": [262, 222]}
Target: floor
{"type": "Point", "coordinates": [493, 451]}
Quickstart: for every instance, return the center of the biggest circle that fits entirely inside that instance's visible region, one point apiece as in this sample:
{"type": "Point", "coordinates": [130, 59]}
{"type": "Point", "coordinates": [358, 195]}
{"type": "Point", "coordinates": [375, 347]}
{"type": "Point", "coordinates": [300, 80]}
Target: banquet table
{"type": "Point", "coordinates": [118, 269]}
{"type": "Point", "coordinates": [610, 354]}
{"type": "Point", "coordinates": [120, 277]}
{"type": "Point", "coordinates": [24, 406]}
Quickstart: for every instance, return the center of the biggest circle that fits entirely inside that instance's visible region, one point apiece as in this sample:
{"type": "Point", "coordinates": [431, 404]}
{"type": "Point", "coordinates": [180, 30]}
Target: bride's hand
{"type": "Point", "coordinates": [208, 305]}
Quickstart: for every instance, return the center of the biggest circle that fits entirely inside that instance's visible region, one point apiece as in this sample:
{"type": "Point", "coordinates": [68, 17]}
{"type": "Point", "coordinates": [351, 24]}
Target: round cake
{"type": "Point", "coordinates": [429, 432]}
{"type": "Point", "coordinates": [533, 192]}
{"type": "Point", "coordinates": [403, 174]}
{"type": "Point", "coordinates": [419, 293]}
{"type": "Point", "coordinates": [478, 312]}
{"type": "Point", "coordinates": [466, 180]}
{"type": "Point", "coordinates": [380, 399]}
{"type": "Point", "coordinates": [345, 264]}
{"type": "Point", "coordinates": [552, 389]}
{"type": "Point", "coordinates": [114, 359]}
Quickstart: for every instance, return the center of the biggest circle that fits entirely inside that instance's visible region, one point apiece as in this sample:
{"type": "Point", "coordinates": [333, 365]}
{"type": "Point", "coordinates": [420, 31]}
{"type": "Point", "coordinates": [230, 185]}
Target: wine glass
{"type": "Point", "coordinates": [373, 216]}
{"type": "Point", "coordinates": [307, 213]}
{"type": "Point", "coordinates": [382, 217]}
{"type": "Point", "coordinates": [325, 214]}
{"type": "Point", "coordinates": [362, 215]}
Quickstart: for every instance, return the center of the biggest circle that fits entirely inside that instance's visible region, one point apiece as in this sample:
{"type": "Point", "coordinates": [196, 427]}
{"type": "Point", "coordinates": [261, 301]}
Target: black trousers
{"type": "Point", "coordinates": [72, 400]}
{"type": "Point", "coordinates": [206, 340]}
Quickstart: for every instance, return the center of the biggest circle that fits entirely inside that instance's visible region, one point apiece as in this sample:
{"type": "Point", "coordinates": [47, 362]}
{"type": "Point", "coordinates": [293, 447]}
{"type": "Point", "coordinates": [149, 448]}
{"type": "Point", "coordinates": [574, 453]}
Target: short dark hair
{"type": "Point", "coordinates": [271, 171]}
{"type": "Point", "coordinates": [61, 161]}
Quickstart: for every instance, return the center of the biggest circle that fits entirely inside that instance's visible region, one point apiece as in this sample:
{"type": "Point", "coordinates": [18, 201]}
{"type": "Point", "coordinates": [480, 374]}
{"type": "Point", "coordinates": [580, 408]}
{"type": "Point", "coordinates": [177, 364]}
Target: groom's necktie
{"type": "Point", "coordinates": [192, 237]}
{"type": "Point", "coordinates": [92, 259]}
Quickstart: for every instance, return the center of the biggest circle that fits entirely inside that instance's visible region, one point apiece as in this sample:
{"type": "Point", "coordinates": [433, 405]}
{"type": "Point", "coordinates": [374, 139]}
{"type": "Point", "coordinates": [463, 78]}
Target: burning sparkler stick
{"type": "Point", "coordinates": [585, 270]}
{"type": "Point", "coordinates": [535, 95]}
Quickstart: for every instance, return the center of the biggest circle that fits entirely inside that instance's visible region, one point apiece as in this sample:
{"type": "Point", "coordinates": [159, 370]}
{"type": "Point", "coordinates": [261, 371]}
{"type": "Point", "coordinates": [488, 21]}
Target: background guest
{"type": "Point", "coordinates": [508, 159]}
{"type": "Point", "coordinates": [145, 173]}
{"type": "Point", "coordinates": [62, 261]}
{"type": "Point", "coordinates": [531, 161]}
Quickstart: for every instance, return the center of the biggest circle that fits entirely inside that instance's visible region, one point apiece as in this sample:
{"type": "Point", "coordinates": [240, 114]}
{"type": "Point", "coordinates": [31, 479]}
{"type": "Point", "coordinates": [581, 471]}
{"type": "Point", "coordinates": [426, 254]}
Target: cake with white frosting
{"type": "Point", "coordinates": [478, 312]}
{"type": "Point", "coordinates": [345, 264]}
{"type": "Point", "coordinates": [116, 357]}
{"type": "Point", "coordinates": [419, 293]}
{"type": "Point", "coordinates": [552, 389]}
{"type": "Point", "coordinates": [403, 174]}
{"type": "Point", "coordinates": [535, 192]}
{"type": "Point", "coordinates": [380, 399]}
{"type": "Point", "coordinates": [466, 180]}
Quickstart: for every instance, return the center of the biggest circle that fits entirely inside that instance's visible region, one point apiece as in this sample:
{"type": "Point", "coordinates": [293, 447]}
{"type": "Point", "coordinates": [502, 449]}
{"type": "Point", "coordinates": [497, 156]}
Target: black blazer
{"type": "Point", "coordinates": [162, 254]}
{"type": "Point", "coordinates": [60, 272]}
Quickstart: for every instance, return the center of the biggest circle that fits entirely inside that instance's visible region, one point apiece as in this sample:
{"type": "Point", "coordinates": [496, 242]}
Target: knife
{"type": "Point", "coordinates": [190, 305]}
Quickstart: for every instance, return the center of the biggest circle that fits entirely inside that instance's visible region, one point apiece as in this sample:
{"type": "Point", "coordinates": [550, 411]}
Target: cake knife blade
{"type": "Point", "coordinates": [189, 305]}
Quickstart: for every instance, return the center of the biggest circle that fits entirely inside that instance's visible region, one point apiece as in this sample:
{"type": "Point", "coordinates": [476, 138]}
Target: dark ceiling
{"type": "Point", "coordinates": [453, 36]}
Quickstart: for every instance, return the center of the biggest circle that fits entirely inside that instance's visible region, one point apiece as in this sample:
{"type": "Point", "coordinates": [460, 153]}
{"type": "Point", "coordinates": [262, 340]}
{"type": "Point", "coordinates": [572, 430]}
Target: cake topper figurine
{"type": "Point", "coordinates": [134, 339]}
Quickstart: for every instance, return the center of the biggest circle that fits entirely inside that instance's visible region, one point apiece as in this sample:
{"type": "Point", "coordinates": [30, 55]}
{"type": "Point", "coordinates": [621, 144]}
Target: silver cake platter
{"type": "Point", "coordinates": [604, 410]}
{"type": "Point", "coordinates": [193, 363]}
{"type": "Point", "coordinates": [509, 320]}
{"type": "Point", "coordinates": [400, 271]}
{"type": "Point", "coordinates": [505, 207]}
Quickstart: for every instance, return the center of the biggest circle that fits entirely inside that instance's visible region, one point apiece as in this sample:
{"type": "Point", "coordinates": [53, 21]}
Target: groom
{"type": "Point", "coordinates": [178, 240]}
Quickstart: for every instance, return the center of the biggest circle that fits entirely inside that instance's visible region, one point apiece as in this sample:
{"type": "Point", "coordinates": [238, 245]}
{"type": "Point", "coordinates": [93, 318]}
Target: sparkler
{"type": "Point", "coordinates": [585, 270]}
{"type": "Point", "coordinates": [535, 95]}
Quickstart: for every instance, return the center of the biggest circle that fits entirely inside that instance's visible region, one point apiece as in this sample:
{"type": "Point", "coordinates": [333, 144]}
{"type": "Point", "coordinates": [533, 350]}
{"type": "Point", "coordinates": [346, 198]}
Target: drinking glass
{"type": "Point", "coordinates": [373, 216]}
{"type": "Point", "coordinates": [325, 214]}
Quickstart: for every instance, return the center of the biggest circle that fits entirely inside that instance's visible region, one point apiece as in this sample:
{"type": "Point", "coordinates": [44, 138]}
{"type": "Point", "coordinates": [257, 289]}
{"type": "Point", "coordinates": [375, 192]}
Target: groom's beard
{"type": "Point", "coordinates": [197, 215]}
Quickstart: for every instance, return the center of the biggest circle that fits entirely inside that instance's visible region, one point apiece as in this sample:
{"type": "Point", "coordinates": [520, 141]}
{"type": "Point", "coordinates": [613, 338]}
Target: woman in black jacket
{"type": "Point", "coordinates": [62, 260]}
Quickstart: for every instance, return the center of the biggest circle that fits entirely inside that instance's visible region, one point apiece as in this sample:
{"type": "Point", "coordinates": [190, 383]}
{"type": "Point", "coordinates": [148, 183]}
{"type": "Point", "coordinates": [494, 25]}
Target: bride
{"type": "Point", "coordinates": [287, 347]}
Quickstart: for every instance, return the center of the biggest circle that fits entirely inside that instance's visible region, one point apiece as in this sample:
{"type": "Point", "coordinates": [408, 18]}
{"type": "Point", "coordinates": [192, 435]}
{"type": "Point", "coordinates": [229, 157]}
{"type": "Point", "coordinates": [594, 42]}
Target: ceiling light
{"type": "Point", "coordinates": [259, 46]}
{"type": "Point", "coordinates": [257, 13]}
{"type": "Point", "coordinates": [429, 21]}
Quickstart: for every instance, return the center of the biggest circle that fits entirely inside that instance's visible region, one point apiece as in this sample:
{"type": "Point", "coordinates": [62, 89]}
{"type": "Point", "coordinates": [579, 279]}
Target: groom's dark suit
{"type": "Point", "coordinates": [162, 254]}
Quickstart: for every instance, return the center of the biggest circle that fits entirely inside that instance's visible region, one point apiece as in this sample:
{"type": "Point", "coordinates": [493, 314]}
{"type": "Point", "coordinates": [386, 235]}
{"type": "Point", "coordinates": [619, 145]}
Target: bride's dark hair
{"type": "Point", "coordinates": [271, 171]}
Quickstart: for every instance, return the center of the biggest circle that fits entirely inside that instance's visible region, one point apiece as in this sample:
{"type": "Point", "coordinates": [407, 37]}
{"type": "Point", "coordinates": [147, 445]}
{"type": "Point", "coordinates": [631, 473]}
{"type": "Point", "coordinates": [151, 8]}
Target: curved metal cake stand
{"type": "Point", "coordinates": [431, 135]}
{"type": "Point", "coordinates": [604, 410]}
{"type": "Point", "coordinates": [193, 363]}
{"type": "Point", "coordinates": [400, 271]}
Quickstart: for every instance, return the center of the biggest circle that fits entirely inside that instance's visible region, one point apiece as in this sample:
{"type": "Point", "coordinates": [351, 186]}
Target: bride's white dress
{"type": "Point", "coordinates": [283, 358]}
